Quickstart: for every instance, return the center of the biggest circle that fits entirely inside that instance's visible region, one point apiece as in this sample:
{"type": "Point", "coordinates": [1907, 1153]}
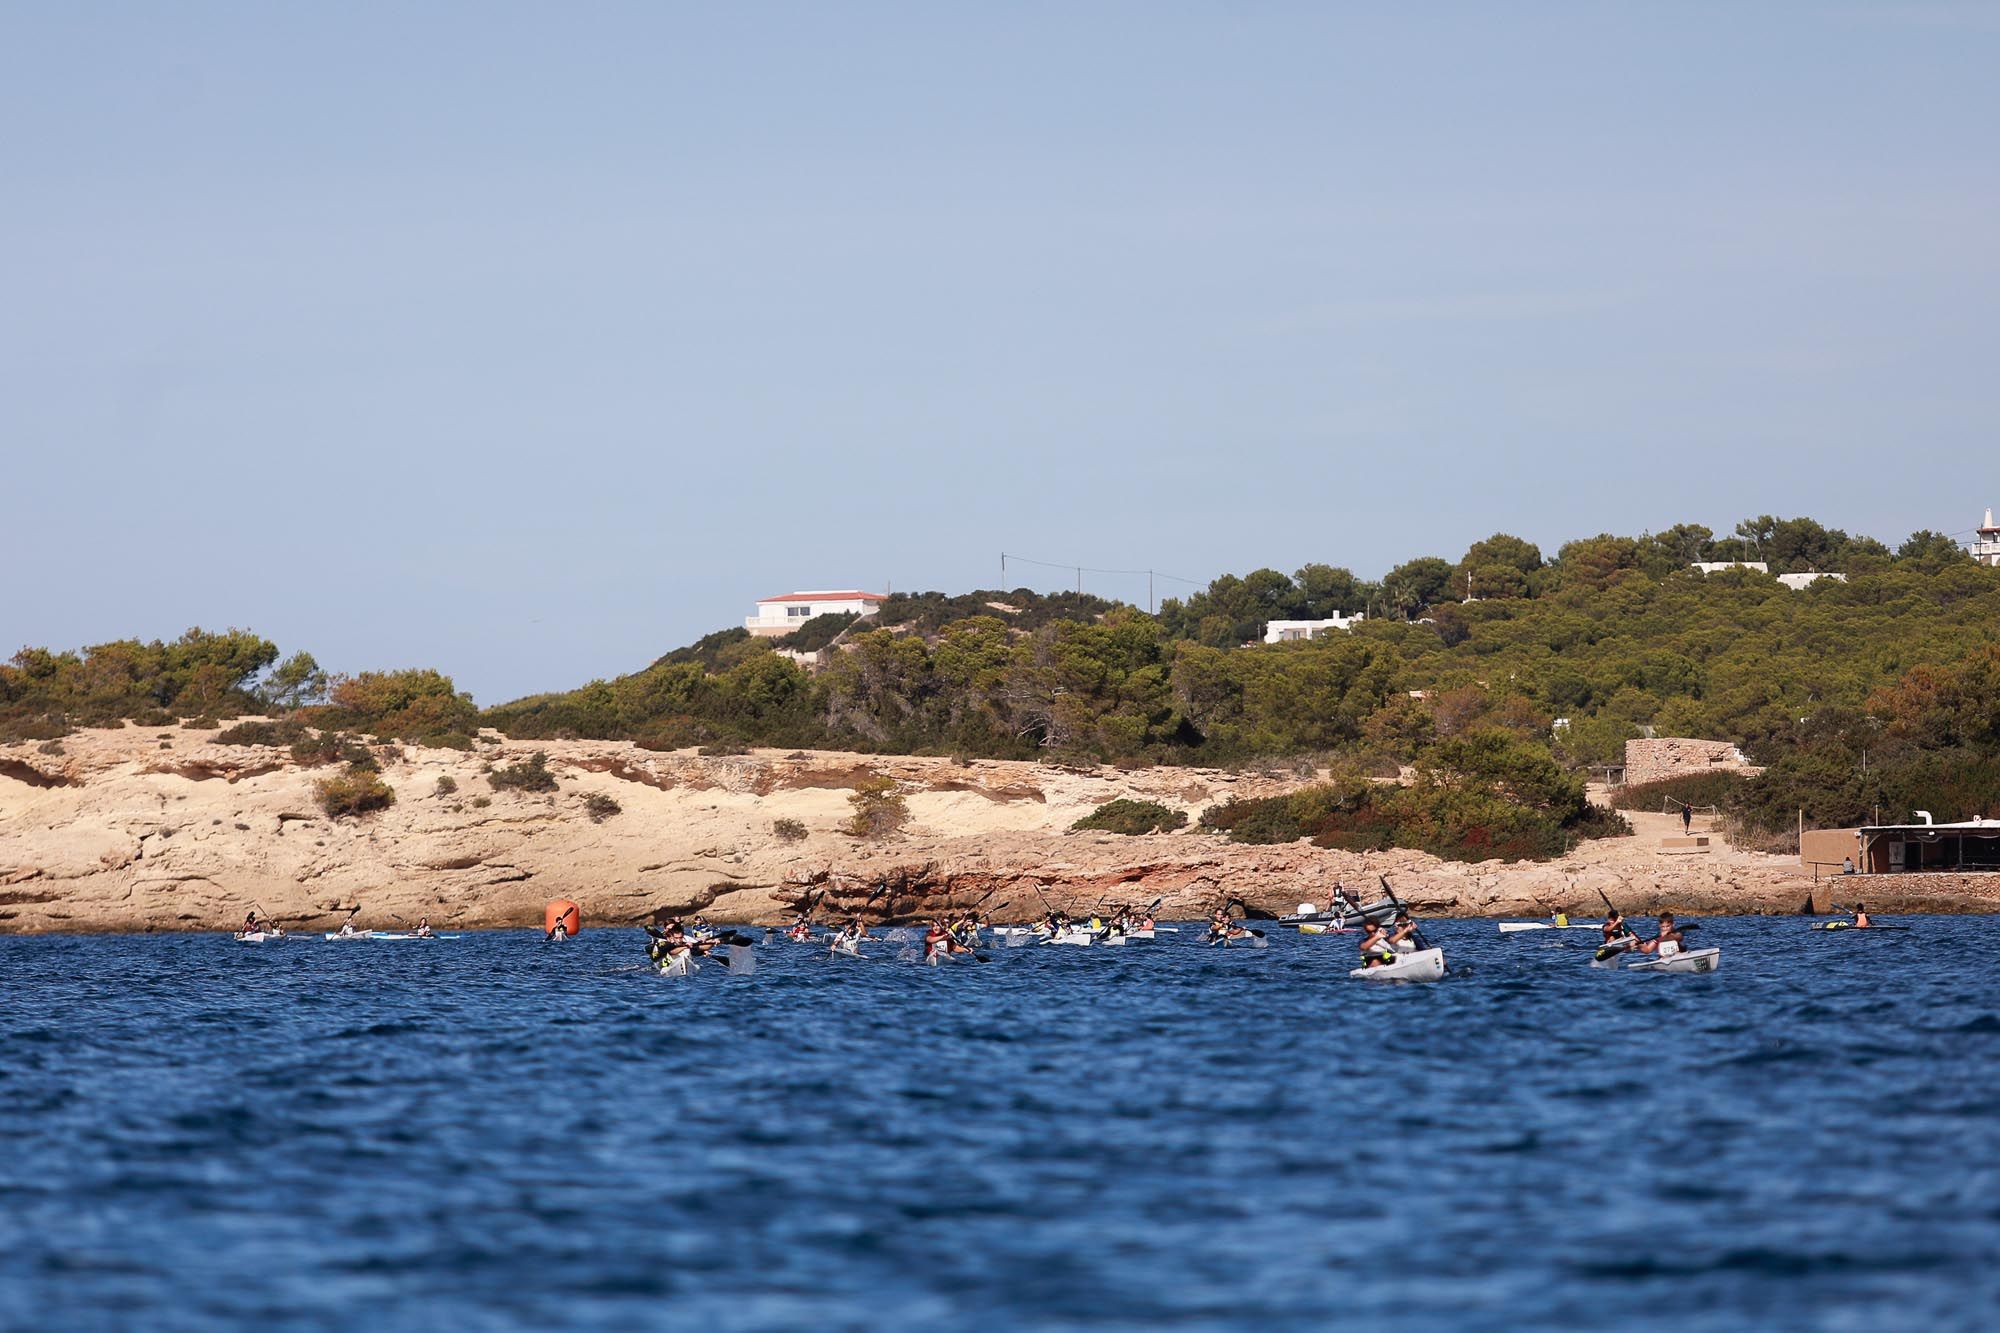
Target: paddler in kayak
{"type": "Point", "coordinates": [423, 927]}
{"type": "Point", "coordinates": [1377, 949]}
{"type": "Point", "coordinates": [1860, 916]}
{"type": "Point", "coordinates": [1614, 926]}
{"type": "Point", "coordinates": [1667, 942]}
{"type": "Point", "coordinates": [848, 938]}
{"type": "Point", "coordinates": [1400, 932]}
{"type": "Point", "coordinates": [250, 924]}
{"type": "Point", "coordinates": [1222, 926]}
{"type": "Point", "coordinates": [800, 929]}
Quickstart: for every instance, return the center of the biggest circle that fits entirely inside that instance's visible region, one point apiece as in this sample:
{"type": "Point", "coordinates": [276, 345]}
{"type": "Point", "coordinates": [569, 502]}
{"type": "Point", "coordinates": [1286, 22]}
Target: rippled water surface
{"type": "Point", "coordinates": [498, 1133]}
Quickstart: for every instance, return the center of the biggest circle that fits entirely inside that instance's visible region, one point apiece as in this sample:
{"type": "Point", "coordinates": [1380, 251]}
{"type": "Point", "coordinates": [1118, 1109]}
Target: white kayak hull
{"type": "Point", "coordinates": [260, 936]}
{"type": "Point", "coordinates": [350, 935]}
{"type": "Point", "coordinates": [1688, 960]}
{"type": "Point", "coordinates": [1514, 927]}
{"type": "Point", "coordinates": [410, 935]}
{"type": "Point", "coordinates": [1311, 929]}
{"type": "Point", "coordinates": [1423, 965]}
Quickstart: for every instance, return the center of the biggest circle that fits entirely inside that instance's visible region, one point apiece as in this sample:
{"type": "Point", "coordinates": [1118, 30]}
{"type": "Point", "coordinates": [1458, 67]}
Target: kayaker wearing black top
{"type": "Point", "coordinates": [1860, 916]}
{"type": "Point", "coordinates": [250, 926]}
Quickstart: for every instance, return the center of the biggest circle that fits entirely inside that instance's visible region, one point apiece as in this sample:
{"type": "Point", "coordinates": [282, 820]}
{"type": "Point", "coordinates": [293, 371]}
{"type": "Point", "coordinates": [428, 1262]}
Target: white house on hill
{"type": "Point", "coordinates": [785, 613]}
{"type": "Point", "coordinates": [1986, 550]}
{"type": "Point", "coordinates": [1287, 631]}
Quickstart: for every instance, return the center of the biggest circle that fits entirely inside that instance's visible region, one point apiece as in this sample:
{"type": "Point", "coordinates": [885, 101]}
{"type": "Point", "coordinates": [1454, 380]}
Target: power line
{"type": "Point", "coordinates": [1081, 570]}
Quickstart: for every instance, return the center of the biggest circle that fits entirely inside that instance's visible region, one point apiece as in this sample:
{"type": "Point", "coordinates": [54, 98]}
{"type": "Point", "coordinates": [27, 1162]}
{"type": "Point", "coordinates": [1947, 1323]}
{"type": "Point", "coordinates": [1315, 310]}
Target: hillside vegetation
{"type": "Point", "coordinates": [1568, 656]}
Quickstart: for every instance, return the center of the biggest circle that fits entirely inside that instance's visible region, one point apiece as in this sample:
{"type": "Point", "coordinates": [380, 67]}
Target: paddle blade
{"type": "Point", "coordinates": [741, 958]}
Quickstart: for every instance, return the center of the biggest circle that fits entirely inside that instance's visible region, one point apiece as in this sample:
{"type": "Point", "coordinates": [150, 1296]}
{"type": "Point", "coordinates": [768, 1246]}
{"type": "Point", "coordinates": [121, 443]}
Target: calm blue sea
{"type": "Point", "coordinates": [495, 1133]}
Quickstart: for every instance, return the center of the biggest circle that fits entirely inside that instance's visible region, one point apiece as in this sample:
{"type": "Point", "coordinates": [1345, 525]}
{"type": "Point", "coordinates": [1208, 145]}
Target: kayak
{"type": "Point", "coordinates": [1308, 928]}
{"type": "Point", "coordinates": [259, 936]}
{"type": "Point", "coordinates": [1249, 939]}
{"type": "Point", "coordinates": [1824, 925]}
{"type": "Point", "coordinates": [409, 935]}
{"type": "Point", "coordinates": [1697, 960]}
{"type": "Point", "coordinates": [1512, 927]}
{"type": "Point", "coordinates": [1423, 965]}
{"type": "Point", "coordinates": [350, 935]}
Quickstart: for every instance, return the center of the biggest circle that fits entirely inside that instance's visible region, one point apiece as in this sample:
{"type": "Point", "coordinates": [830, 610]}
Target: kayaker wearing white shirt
{"type": "Point", "coordinates": [1667, 943]}
{"type": "Point", "coordinates": [1376, 948]}
{"type": "Point", "coordinates": [423, 927]}
{"type": "Point", "coordinates": [1400, 933]}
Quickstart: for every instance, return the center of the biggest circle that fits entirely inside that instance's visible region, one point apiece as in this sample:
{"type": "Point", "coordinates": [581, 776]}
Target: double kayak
{"type": "Point", "coordinates": [1687, 960]}
{"type": "Point", "coordinates": [1420, 965]}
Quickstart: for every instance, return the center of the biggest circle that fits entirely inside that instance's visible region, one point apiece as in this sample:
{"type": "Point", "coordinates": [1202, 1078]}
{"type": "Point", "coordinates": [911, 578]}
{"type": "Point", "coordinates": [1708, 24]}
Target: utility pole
{"type": "Point", "coordinates": [1149, 592]}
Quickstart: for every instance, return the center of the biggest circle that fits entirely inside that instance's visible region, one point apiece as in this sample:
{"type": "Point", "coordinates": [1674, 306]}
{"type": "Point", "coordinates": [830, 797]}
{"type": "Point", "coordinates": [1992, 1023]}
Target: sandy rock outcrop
{"type": "Point", "coordinates": [140, 829]}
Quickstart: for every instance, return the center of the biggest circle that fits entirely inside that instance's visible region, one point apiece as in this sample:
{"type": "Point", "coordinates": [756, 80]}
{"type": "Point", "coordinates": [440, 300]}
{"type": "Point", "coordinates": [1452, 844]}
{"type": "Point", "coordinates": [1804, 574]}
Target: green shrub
{"type": "Point", "coordinates": [1724, 790]}
{"type": "Point", "coordinates": [264, 733]}
{"type": "Point", "coordinates": [531, 774]}
{"type": "Point", "coordinates": [447, 785]}
{"type": "Point", "coordinates": [314, 748]}
{"type": "Point", "coordinates": [724, 748]}
{"type": "Point", "coordinates": [1131, 818]}
{"type": "Point", "coordinates": [788, 830]}
{"type": "Point", "coordinates": [600, 807]}
{"type": "Point", "coordinates": [481, 802]}
{"type": "Point", "coordinates": [202, 723]}
{"type": "Point", "coordinates": [355, 791]}
{"type": "Point", "coordinates": [879, 808]}
{"type": "Point", "coordinates": [50, 747]}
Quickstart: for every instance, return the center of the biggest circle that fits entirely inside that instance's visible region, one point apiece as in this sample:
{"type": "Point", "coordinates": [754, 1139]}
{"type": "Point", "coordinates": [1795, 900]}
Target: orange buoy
{"type": "Point", "coordinates": [564, 913]}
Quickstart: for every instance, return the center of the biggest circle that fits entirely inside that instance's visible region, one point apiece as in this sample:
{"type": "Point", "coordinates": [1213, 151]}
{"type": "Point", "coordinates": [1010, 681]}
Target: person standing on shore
{"type": "Point", "coordinates": [1687, 818]}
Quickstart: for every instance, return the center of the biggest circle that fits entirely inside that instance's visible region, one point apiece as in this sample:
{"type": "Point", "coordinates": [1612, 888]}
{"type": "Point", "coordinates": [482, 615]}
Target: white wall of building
{"type": "Point", "coordinates": [1288, 631]}
{"type": "Point", "coordinates": [782, 615]}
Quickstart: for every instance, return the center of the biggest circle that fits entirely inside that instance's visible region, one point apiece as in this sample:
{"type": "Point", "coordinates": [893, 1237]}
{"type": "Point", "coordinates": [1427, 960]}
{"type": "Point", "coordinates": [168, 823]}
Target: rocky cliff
{"type": "Point", "coordinates": [131, 829]}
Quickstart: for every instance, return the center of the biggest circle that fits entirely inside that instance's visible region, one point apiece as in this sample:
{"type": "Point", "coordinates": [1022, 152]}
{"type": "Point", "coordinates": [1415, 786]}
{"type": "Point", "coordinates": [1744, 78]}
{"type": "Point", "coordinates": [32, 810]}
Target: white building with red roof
{"type": "Point", "coordinates": [788, 611]}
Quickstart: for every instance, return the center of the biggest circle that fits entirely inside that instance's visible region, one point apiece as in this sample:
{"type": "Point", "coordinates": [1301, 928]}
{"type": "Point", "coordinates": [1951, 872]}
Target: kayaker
{"type": "Point", "coordinates": [560, 930]}
{"type": "Point", "coordinates": [1376, 950]}
{"type": "Point", "coordinates": [1614, 926]}
{"type": "Point", "coordinates": [347, 927]}
{"type": "Point", "coordinates": [423, 927]}
{"type": "Point", "coordinates": [1401, 931]}
{"type": "Point", "coordinates": [1860, 916]}
{"type": "Point", "coordinates": [1667, 942]}
{"type": "Point", "coordinates": [250, 926]}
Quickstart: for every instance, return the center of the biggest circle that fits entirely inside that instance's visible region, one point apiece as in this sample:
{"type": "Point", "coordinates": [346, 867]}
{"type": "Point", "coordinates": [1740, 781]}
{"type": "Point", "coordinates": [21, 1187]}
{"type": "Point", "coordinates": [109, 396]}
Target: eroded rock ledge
{"type": "Point", "coordinates": [132, 829]}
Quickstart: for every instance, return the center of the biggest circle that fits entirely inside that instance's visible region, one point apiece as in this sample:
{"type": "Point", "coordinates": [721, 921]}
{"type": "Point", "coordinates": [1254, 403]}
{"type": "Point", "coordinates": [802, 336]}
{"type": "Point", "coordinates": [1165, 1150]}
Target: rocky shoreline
{"type": "Point", "coordinates": [134, 829]}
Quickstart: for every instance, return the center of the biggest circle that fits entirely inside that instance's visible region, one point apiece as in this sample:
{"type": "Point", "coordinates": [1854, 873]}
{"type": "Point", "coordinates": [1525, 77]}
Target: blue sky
{"type": "Point", "coordinates": [531, 341]}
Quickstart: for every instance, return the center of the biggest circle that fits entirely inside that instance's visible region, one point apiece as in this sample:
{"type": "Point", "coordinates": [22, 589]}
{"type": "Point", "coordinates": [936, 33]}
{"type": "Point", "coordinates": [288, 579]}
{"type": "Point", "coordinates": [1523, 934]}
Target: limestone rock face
{"type": "Point", "coordinates": [143, 829]}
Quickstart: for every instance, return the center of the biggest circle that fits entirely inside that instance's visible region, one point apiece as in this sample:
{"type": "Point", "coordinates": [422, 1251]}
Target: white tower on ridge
{"type": "Point", "coordinates": [1987, 549]}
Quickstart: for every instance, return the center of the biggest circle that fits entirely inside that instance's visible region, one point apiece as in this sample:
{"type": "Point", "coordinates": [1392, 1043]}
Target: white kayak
{"type": "Point", "coordinates": [350, 934]}
{"type": "Point", "coordinates": [259, 936]}
{"type": "Point", "coordinates": [1422, 965]}
{"type": "Point", "coordinates": [1513, 927]}
{"type": "Point", "coordinates": [410, 935]}
{"type": "Point", "coordinates": [1695, 960]}
{"type": "Point", "coordinates": [1309, 928]}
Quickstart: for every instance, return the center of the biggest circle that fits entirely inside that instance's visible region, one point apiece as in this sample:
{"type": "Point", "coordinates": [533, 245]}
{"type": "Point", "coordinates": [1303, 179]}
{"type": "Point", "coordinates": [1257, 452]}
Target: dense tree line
{"type": "Point", "coordinates": [1610, 638]}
